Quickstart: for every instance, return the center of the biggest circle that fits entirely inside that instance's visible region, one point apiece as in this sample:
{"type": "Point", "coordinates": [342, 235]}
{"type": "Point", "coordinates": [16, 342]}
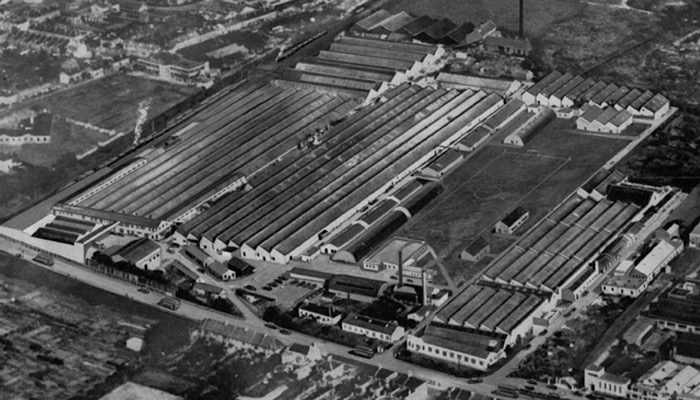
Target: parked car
{"type": "Point", "coordinates": [532, 382]}
{"type": "Point", "coordinates": [271, 325]}
{"type": "Point", "coordinates": [250, 287]}
{"type": "Point", "coordinates": [553, 387]}
{"type": "Point", "coordinates": [144, 290]}
{"type": "Point", "coordinates": [528, 388]}
{"type": "Point", "coordinates": [285, 332]}
{"type": "Point", "coordinates": [475, 380]}
{"type": "Point", "coordinates": [267, 288]}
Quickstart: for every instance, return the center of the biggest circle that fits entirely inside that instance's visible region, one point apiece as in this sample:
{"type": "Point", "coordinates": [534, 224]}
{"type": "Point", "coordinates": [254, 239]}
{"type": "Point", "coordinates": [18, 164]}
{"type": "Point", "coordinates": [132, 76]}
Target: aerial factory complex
{"type": "Point", "coordinates": [370, 170]}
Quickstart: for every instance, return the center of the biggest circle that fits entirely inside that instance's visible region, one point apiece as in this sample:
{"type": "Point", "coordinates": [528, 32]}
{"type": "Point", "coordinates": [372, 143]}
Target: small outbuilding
{"type": "Point", "coordinates": [512, 221]}
{"type": "Point", "coordinates": [476, 250]}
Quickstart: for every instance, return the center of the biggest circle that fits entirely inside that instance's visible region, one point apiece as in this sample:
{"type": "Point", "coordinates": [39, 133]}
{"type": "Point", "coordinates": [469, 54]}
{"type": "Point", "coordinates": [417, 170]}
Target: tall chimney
{"type": "Point", "coordinates": [400, 268]}
{"type": "Point", "coordinates": [425, 288]}
{"type": "Point", "coordinates": [522, 20]}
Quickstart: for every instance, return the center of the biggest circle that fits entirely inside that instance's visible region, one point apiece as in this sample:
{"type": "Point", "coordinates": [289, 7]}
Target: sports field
{"type": "Point", "coordinates": [112, 102]}
{"type": "Point", "coordinates": [499, 178]}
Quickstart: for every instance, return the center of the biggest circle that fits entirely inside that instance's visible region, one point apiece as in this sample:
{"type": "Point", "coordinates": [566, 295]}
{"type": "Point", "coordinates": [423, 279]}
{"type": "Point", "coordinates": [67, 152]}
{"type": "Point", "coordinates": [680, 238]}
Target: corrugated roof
{"type": "Point", "coordinates": [504, 113]}
{"type": "Point", "coordinates": [620, 118]}
{"type": "Point", "coordinates": [397, 21]}
{"type": "Point", "coordinates": [580, 89]}
{"type": "Point", "coordinates": [374, 20]}
{"type": "Point", "coordinates": [475, 136]}
{"type": "Point", "coordinates": [138, 250]}
{"type": "Point", "coordinates": [629, 98]}
{"type": "Point", "coordinates": [591, 114]}
{"type": "Point", "coordinates": [477, 245]}
{"type": "Point", "coordinates": [639, 102]}
{"type": "Point", "coordinates": [440, 29]}
{"type": "Point", "coordinates": [346, 235]}
{"type": "Point", "coordinates": [656, 103]}
{"type": "Point", "coordinates": [542, 83]}
{"type": "Point", "coordinates": [418, 25]}
{"type": "Point", "coordinates": [459, 34]}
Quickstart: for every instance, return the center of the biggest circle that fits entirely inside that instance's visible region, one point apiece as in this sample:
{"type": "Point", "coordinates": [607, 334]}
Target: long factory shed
{"type": "Point", "coordinates": [357, 65]}
{"type": "Point", "coordinates": [560, 245]}
{"type": "Point", "coordinates": [291, 206]}
{"type": "Point", "coordinates": [236, 136]}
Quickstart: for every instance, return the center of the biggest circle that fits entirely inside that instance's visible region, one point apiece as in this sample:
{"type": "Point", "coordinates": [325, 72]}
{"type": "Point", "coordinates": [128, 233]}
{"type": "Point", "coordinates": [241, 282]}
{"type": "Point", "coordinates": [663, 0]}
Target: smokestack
{"type": "Point", "coordinates": [425, 288]}
{"type": "Point", "coordinates": [400, 268]}
{"type": "Point", "coordinates": [522, 20]}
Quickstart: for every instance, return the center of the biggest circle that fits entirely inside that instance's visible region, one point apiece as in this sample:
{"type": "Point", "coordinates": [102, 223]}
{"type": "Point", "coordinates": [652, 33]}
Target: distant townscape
{"type": "Point", "coordinates": [381, 203]}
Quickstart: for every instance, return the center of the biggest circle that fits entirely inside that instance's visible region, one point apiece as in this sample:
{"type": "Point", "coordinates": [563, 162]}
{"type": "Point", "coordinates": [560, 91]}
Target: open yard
{"type": "Point", "coordinates": [497, 179]}
{"type": "Point", "coordinates": [112, 103]}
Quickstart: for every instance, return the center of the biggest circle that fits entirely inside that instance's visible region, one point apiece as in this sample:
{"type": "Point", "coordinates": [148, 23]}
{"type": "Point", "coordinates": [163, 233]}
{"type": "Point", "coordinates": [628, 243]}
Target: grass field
{"type": "Point", "coordinates": [112, 102]}
{"type": "Point", "coordinates": [497, 179]}
{"type": "Point", "coordinates": [539, 15]}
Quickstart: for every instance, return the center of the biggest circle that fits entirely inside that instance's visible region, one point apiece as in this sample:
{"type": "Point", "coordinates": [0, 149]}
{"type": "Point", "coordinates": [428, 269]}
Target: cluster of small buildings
{"type": "Point", "coordinates": [667, 379]}
{"type": "Point", "coordinates": [678, 307]}
{"type": "Point", "coordinates": [600, 107]}
{"type": "Point", "coordinates": [404, 27]}
{"type": "Point", "coordinates": [173, 68]}
{"type": "Point", "coordinates": [373, 328]}
{"type": "Point", "coordinates": [632, 277]}
{"type": "Point", "coordinates": [52, 356]}
{"type": "Point", "coordinates": [240, 336]}
{"type": "Point", "coordinates": [341, 377]}
{"type": "Point", "coordinates": [35, 129]}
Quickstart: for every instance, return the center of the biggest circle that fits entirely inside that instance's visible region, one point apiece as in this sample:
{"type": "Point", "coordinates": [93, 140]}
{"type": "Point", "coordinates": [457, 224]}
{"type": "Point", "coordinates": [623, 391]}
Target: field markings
{"type": "Point", "coordinates": [452, 245]}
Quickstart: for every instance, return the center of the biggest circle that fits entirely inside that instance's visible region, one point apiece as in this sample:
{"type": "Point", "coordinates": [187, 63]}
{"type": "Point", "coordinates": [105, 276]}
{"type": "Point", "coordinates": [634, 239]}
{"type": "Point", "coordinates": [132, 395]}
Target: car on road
{"type": "Point", "coordinates": [544, 332]}
{"type": "Point", "coordinates": [532, 382]}
{"type": "Point", "coordinates": [474, 380]}
{"type": "Point", "coordinates": [285, 332]}
{"type": "Point", "coordinates": [144, 290]}
{"type": "Point", "coordinates": [170, 250]}
{"type": "Point", "coordinates": [270, 325]}
{"type": "Point", "coordinates": [250, 287]}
